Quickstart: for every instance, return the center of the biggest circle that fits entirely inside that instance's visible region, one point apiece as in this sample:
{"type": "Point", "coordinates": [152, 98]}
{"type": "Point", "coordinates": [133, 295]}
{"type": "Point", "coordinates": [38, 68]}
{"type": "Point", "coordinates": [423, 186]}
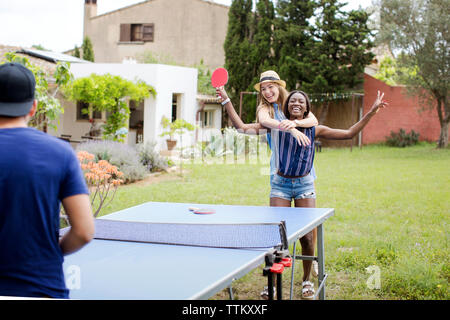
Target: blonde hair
{"type": "Point", "coordinates": [263, 103]}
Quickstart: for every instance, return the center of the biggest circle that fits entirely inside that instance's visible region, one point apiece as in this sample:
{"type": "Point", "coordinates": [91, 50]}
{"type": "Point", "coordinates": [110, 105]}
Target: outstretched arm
{"type": "Point", "coordinates": [247, 128]}
{"type": "Point", "coordinates": [341, 134]}
{"type": "Point", "coordinates": [258, 128]}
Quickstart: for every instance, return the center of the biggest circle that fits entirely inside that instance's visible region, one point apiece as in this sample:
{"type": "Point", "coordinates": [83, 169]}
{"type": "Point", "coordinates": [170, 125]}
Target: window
{"type": "Point", "coordinates": [136, 120]}
{"type": "Point", "coordinates": [85, 112]}
{"type": "Point", "coordinates": [137, 32]}
{"type": "Point", "coordinates": [82, 106]}
{"type": "Point", "coordinates": [208, 118]}
{"type": "Point", "coordinates": [176, 106]}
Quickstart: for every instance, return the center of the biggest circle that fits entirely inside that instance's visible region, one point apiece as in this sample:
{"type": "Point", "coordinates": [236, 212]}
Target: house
{"type": "Point", "coordinates": [208, 117]}
{"type": "Point", "coordinates": [176, 89]}
{"type": "Point", "coordinates": [186, 31]}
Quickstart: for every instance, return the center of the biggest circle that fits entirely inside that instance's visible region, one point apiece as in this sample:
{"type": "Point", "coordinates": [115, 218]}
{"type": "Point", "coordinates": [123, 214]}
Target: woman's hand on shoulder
{"type": "Point", "coordinates": [287, 125]}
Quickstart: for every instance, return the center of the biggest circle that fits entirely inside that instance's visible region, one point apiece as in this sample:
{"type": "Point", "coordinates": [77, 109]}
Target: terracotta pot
{"type": "Point", "coordinates": [171, 144]}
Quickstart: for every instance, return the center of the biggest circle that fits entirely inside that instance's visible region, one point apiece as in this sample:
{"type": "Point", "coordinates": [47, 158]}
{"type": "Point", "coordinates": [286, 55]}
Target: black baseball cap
{"type": "Point", "coordinates": [17, 86]}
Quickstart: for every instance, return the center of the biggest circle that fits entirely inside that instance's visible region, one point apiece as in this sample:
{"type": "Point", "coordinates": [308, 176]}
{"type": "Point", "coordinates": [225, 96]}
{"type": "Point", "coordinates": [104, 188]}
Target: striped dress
{"type": "Point", "coordinates": [288, 157]}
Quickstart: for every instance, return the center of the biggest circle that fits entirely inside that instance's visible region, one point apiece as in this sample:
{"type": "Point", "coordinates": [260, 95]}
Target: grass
{"type": "Point", "coordinates": [391, 211]}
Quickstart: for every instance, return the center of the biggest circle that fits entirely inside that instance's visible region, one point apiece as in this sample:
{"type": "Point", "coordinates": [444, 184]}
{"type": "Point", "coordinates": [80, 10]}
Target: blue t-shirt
{"type": "Point", "coordinates": [37, 171]}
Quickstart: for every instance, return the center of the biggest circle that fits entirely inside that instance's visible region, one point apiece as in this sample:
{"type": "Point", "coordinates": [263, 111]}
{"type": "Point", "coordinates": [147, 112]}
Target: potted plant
{"type": "Point", "coordinates": [178, 127]}
{"type": "Point", "coordinates": [169, 131]}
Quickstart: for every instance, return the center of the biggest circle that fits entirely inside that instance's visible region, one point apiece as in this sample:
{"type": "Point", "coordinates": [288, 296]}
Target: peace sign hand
{"type": "Point", "coordinates": [379, 103]}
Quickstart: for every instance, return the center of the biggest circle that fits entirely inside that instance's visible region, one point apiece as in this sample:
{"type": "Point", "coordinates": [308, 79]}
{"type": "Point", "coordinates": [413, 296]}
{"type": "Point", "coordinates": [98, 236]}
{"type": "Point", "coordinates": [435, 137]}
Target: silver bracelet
{"type": "Point", "coordinates": [224, 102]}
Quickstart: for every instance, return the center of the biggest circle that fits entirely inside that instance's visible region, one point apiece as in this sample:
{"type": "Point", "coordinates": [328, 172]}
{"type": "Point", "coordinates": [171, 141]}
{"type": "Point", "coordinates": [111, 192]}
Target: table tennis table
{"type": "Point", "coordinates": [127, 270]}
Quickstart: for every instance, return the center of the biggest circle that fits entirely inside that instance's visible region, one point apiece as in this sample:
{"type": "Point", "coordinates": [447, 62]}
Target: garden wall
{"type": "Point", "coordinates": [403, 112]}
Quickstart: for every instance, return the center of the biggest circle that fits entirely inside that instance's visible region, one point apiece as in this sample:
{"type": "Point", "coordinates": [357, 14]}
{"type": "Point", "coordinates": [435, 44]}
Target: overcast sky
{"type": "Point", "coordinates": [57, 25]}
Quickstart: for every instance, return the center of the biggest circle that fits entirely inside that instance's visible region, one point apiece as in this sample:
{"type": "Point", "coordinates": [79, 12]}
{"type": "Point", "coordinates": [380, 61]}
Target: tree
{"type": "Point", "coordinates": [341, 47]}
{"type": "Point", "coordinates": [260, 53]}
{"type": "Point", "coordinates": [88, 51]}
{"type": "Point", "coordinates": [76, 52]}
{"type": "Point", "coordinates": [418, 32]}
{"type": "Point", "coordinates": [314, 45]}
{"type": "Point", "coordinates": [238, 49]}
{"type": "Point", "coordinates": [109, 93]}
{"type": "Point", "coordinates": [204, 79]}
{"type": "Point", "coordinates": [262, 56]}
{"type": "Point", "coordinates": [387, 71]}
{"type": "Point", "coordinates": [48, 108]}
{"type": "Point", "coordinates": [336, 53]}
{"type": "Point", "coordinates": [293, 40]}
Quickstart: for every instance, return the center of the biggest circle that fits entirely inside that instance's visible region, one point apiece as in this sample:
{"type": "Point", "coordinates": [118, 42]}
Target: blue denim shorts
{"type": "Point", "coordinates": [292, 188]}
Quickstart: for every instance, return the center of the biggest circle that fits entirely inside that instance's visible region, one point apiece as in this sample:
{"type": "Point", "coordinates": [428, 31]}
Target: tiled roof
{"type": "Point", "coordinates": [208, 98]}
{"type": "Point", "coordinates": [47, 66]}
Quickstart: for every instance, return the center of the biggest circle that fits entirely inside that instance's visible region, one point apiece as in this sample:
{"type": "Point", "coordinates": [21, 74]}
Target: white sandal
{"type": "Point", "coordinates": [265, 293]}
{"type": "Point", "coordinates": [308, 288]}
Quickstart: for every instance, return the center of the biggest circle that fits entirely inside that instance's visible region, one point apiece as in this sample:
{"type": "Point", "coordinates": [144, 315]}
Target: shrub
{"type": "Point", "coordinates": [125, 157]}
{"type": "Point", "coordinates": [402, 139]}
{"type": "Point", "coordinates": [102, 179]}
{"type": "Point", "coordinates": [150, 158]}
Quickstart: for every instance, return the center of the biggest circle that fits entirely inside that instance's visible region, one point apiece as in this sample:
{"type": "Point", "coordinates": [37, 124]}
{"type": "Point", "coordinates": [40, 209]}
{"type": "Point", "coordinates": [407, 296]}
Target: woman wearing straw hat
{"type": "Point", "coordinates": [270, 116]}
{"type": "Point", "coordinates": [294, 167]}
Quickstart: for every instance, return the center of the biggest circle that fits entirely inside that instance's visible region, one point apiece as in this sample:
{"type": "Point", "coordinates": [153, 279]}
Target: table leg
{"type": "Point", "coordinates": [230, 292]}
{"type": "Point", "coordinates": [294, 253]}
{"type": "Point", "coordinates": [321, 260]}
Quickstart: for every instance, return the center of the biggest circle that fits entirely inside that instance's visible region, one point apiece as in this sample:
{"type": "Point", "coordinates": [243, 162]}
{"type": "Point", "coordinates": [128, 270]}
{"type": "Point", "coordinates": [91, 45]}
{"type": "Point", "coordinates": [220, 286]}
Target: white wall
{"type": "Point", "coordinates": [165, 79]}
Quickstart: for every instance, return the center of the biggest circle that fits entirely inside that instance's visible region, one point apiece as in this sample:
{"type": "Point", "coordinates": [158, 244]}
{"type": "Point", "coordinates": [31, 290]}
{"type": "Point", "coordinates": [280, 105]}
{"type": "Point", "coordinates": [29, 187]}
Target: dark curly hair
{"type": "Point", "coordinates": [286, 103]}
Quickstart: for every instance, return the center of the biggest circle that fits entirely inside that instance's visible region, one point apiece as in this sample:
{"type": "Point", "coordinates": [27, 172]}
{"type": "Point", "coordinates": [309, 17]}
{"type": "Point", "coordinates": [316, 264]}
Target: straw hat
{"type": "Point", "coordinates": [269, 76]}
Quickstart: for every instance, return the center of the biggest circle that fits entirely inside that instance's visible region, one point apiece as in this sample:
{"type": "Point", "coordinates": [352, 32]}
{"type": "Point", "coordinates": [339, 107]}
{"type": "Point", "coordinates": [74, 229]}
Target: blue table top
{"type": "Point", "coordinates": [106, 269]}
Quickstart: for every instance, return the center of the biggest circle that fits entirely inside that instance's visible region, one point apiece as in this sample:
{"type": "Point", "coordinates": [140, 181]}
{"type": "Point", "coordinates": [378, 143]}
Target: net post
{"type": "Point", "coordinates": [283, 235]}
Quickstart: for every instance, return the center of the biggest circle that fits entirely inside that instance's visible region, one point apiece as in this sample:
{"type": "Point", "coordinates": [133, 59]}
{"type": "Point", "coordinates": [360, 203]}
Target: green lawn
{"type": "Point", "coordinates": [392, 209]}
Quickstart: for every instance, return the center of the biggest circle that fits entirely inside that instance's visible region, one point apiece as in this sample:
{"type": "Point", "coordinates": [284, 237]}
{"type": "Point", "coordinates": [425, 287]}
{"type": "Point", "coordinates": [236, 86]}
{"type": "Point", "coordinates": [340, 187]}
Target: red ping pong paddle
{"type": "Point", "coordinates": [219, 77]}
{"type": "Point", "coordinates": [202, 210]}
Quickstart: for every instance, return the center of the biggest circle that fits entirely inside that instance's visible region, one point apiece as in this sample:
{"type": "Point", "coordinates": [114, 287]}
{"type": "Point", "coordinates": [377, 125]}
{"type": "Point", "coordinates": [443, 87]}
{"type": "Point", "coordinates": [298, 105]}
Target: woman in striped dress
{"type": "Point", "coordinates": [292, 172]}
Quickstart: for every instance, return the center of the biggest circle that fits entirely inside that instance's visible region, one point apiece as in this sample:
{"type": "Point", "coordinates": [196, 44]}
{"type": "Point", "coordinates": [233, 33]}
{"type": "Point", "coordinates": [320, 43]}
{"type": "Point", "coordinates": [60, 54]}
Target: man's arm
{"type": "Point", "coordinates": [79, 212]}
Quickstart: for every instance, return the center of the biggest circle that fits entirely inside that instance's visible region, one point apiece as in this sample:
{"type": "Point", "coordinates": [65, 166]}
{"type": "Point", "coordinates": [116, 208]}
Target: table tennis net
{"type": "Point", "coordinates": [261, 235]}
